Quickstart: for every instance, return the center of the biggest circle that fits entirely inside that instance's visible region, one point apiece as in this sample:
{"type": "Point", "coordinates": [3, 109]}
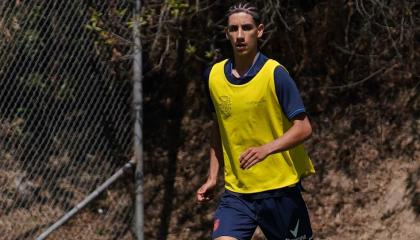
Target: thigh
{"type": "Point", "coordinates": [285, 217]}
{"type": "Point", "coordinates": [234, 218]}
{"type": "Point", "coordinates": [226, 238]}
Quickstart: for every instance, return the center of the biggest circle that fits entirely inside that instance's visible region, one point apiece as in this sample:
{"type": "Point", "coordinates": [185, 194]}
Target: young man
{"type": "Point", "coordinates": [260, 125]}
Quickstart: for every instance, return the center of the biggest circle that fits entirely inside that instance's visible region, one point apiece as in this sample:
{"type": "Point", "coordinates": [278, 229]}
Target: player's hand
{"type": "Point", "coordinates": [253, 156]}
{"type": "Point", "coordinates": [205, 192]}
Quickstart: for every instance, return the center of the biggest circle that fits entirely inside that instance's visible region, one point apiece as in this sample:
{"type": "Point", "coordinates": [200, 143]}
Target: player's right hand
{"type": "Point", "coordinates": [205, 192]}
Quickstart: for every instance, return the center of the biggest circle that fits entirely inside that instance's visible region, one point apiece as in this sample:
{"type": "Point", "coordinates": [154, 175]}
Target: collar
{"type": "Point", "coordinates": [259, 62]}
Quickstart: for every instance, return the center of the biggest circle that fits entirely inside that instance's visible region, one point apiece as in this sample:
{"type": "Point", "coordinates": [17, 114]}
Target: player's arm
{"type": "Point", "coordinates": [205, 192]}
{"type": "Point", "coordinates": [293, 108]}
{"type": "Point", "coordinates": [300, 131]}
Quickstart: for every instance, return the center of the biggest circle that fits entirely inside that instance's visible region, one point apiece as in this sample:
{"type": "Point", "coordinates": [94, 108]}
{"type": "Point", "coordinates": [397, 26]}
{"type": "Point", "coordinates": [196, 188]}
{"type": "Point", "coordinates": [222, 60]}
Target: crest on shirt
{"type": "Point", "coordinates": [216, 224]}
{"type": "Point", "coordinates": [225, 106]}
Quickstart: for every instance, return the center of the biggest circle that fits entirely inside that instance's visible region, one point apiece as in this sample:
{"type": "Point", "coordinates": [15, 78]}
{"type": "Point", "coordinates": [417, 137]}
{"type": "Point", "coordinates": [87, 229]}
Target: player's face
{"type": "Point", "coordinates": [243, 33]}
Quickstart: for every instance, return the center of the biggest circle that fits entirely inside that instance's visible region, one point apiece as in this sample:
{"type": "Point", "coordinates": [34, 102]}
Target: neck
{"type": "Point", "coordinates": [244, 63]}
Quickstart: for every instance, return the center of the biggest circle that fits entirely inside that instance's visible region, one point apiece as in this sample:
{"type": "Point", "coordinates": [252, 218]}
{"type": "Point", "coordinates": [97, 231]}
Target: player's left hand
{"type": "Point", "coordinates": [253, 156]}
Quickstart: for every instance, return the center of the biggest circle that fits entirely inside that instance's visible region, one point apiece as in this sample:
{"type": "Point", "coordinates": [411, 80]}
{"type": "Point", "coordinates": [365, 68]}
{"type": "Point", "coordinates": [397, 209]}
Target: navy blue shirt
{"type": "Point", "coordinates": [286, 89]}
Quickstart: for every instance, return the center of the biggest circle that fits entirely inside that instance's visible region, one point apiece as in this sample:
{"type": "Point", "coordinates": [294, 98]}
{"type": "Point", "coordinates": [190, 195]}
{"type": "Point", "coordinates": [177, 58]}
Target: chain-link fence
{"type": "Point", "coordinates": [65, 121]}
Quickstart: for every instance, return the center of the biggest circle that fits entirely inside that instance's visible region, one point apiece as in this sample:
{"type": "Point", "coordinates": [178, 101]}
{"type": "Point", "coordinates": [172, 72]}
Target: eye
{"type": "Point", "coordinates": [232, 28]}
{"type": "Point", "coordinates": [247, 27]}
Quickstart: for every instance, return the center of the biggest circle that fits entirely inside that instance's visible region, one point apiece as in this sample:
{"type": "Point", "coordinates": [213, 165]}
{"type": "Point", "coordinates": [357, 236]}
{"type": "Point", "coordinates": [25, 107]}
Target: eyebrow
{"type": "Point", "coordinates": [243, 25]}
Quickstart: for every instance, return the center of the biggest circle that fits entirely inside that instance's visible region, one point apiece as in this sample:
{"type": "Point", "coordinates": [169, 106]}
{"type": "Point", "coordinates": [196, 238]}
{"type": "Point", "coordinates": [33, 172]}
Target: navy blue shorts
{"type": "Point", "coordinates": [280, 215]}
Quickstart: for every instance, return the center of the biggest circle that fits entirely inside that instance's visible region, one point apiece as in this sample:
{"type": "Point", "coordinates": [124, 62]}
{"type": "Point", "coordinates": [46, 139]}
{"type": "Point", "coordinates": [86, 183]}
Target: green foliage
{"type": "Point", "coordinates": [177, 7]}
{"type": "Point", "coordinates": [142, 21]}
{"type": "Point", "coordinates": [210, 54]}
{"type": "Point", "coordinates": [95, 22]}
{"type": "Point", "coordinates": [191, 49]}
{"type": "Point", "coordinates": [121, 12]}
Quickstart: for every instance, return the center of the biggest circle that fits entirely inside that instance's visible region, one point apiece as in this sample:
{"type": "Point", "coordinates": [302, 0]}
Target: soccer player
{"type": "Point", "coordinates": [260, 123]}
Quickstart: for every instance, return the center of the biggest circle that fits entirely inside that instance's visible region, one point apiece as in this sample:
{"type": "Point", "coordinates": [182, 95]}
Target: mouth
{"type": "Point", "coordinates": [240, 46]}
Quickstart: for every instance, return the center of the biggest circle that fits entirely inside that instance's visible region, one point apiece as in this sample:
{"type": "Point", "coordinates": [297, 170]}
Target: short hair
{"type": "Point", "coordinates": [245, 7]}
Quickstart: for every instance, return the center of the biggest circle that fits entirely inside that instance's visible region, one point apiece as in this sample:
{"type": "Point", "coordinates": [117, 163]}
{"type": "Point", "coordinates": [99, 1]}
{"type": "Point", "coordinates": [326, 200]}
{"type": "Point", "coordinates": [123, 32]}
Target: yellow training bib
{"type": "Point", "coordinates": [250, 115]}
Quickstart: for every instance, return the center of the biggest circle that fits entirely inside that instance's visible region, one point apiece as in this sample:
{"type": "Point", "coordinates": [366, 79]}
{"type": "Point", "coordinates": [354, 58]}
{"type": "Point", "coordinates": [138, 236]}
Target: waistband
{"type": "Point", "coordinates": [268, 194]}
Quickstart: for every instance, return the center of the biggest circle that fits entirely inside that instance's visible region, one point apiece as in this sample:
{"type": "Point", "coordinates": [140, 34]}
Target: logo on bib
{"type": "Point", "coordinates": [225, 106]}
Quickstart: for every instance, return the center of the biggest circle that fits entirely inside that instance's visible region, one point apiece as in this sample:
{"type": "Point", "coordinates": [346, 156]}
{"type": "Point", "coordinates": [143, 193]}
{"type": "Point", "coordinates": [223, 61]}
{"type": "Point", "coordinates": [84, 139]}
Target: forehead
{"type": "Point", "coordinates": [240, 18]}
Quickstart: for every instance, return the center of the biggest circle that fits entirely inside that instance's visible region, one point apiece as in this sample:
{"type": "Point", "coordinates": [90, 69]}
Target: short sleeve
{"type": "Point", "coordinates": [288, 93]}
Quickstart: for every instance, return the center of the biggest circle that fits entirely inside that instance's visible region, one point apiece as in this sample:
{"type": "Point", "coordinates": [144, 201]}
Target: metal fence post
{"type": "Point", "coordinates": [86, 201]}
{"type": "Point", "coordinates": [138, 124]}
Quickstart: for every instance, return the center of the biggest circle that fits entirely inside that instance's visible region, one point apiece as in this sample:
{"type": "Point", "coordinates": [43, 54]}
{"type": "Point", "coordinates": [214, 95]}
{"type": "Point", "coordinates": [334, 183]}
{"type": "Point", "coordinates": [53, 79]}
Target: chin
{"type": "Point", "coordinates": [242, 53]}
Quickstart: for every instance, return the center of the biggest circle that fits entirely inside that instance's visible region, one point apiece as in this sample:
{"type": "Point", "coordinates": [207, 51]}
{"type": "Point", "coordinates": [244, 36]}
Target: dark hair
{"type": "Point", "coordinates": [245, 7]}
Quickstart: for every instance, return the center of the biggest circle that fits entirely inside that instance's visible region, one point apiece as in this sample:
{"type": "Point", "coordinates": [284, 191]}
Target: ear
{"type": "Point", "coordinates": [226, 33]}
{"type": "Point", "coordinates": [260, 30]}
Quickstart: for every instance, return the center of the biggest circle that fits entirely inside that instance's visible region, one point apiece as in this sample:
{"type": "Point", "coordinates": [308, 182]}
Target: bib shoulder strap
{"type": "Point", "coordinates": [272, 64]}
{"type": "Point", "coordinates": [220, 66]}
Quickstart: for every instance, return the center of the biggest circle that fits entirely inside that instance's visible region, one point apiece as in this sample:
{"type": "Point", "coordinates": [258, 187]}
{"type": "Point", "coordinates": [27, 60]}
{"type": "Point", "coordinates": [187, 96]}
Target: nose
{"type": "Point", "coordinates": [240, 33]}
